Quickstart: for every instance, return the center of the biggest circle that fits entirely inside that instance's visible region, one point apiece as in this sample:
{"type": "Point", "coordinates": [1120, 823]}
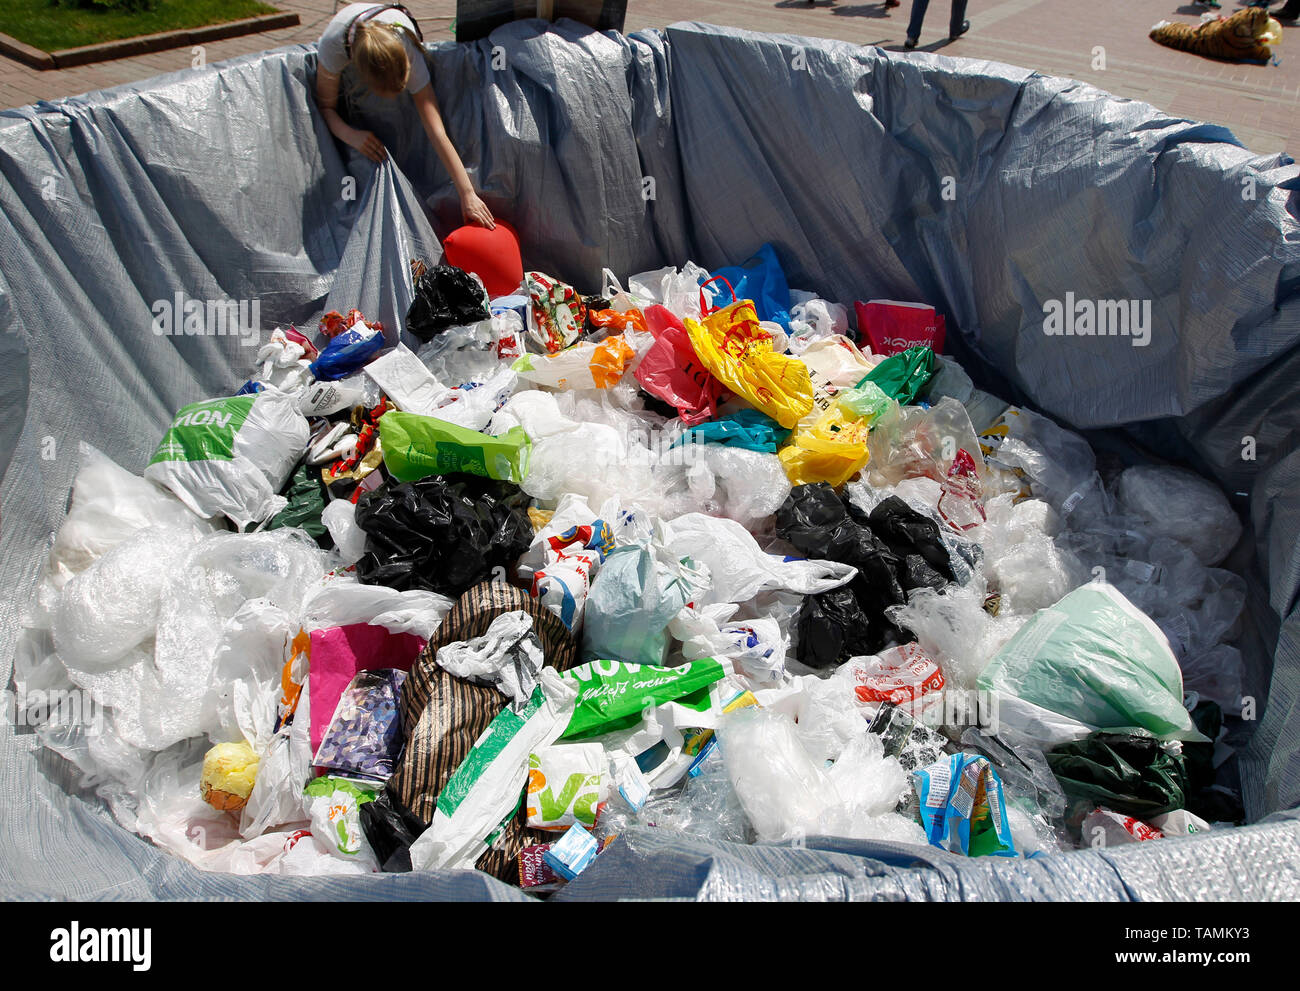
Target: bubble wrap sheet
{"type": "Point", "coordinates": [632, 153]}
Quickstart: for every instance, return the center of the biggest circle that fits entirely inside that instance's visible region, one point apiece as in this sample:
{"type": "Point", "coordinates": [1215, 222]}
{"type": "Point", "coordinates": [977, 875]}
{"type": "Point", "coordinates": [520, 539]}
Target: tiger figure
{"type": "Point", "coordinates": [1243, 37]}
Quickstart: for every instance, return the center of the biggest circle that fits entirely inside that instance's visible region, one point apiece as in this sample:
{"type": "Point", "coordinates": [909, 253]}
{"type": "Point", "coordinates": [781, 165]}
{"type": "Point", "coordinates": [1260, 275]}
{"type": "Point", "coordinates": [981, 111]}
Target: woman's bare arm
{"type": "Point", "coordinates": [327, 99]}
{"type": "Point", "coordinates": [474, 209]}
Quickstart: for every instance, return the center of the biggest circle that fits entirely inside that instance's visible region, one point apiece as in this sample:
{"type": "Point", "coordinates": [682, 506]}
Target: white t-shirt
{"type": "Point", "coordinates": [332, 51]}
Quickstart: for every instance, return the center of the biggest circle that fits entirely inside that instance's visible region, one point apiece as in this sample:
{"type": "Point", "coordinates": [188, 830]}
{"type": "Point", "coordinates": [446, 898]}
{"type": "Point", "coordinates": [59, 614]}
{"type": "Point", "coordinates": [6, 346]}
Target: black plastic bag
{"type": "Point", "coordinates": [895, 550]}
{"type": "Point", "coordinates": [1207, 796]}
{"type": "Point", "coordinates": [909, 534]}
{"type": "Point", "coordinates": [832, 628]}
{"type": "Point", "coordinates": [1132, 775]}
{"type": "Point", "coordinates": [444, 533]}
{"type": "Point", "coordinates": [821, 525]}
{"type": "Point", "coordinates": [445, 296]}
{"type": "Point", "coordinates": [391, 829]}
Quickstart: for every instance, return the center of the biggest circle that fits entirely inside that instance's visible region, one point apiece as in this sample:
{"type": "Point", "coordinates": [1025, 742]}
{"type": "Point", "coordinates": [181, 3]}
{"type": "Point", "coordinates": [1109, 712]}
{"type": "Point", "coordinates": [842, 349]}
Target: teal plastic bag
{"type": "Point", "coordinates": [1096, 658]}
{"type": "Point", "coordinates": [748, 428]}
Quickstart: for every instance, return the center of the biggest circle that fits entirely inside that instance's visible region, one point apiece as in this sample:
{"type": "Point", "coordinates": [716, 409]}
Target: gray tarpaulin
{"type": "Point", "coordinates": [985, 189]}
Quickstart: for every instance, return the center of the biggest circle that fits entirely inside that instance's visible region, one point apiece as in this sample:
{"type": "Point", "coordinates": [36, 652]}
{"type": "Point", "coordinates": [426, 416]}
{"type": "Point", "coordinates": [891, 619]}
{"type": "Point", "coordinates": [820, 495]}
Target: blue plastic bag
{"type": "Point", "coordinates": [761, 279]}
{"type": "Point", "coordinates": [346, 353]}
{"type": "Point", "coordinates": [637, 592]}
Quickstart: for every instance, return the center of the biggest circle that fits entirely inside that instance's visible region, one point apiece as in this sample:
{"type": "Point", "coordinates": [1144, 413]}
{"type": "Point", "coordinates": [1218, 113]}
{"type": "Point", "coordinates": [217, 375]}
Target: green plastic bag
{"type": "Point", "coordinates": [902, 376]}
{"type": "Point", "coordinates": [612, 695]}
{"type": "Point", "coordinates": [1096, 658]}
{"type": "Point", "coordinates": [866, 400]}
{"type": "Point", "coordinates": [417, 446]}
{"type": "Point", "coordinates": [1128, 774]}
{"type": "Point", "coordinates": [306, 494]}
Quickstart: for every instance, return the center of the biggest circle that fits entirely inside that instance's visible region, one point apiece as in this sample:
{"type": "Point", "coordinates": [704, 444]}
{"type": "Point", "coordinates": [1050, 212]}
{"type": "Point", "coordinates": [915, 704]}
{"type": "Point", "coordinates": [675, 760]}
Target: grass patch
{"type": "Point", "coordinates": [50, 28]}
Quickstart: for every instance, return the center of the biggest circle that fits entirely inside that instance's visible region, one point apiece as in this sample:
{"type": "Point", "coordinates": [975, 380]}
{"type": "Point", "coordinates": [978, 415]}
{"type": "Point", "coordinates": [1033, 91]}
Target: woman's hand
{"type": "Point", "coordinates": [369, 145]}
{"type": "Point", "coordinates": [475, 211]}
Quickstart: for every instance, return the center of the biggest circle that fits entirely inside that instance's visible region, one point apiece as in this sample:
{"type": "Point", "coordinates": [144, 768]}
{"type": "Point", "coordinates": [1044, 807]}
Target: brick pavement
{"type": "Point", "coordinates": [1058, 37]}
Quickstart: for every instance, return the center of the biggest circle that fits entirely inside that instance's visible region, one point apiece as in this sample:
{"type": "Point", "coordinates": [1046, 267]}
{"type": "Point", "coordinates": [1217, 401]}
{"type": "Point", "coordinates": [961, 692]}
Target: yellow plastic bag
{"type": "Point", "coordinates": [731, 344]}
{"type": "Point", "coordinates": [833, 450]}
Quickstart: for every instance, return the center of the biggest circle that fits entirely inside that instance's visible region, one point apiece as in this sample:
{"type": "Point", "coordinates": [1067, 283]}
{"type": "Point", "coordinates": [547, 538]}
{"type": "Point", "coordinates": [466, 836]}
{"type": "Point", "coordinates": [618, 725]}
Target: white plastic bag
{"type": "Point", "coordinates": [340, 519]}
{"type": "Point", "coordinates": [244, 687]}
{"type": "Point", "coordinates": [787, 795]}
{"type": "Point", "coordinates": [157, 690]}
{"type": "Point", "coordinates": [676, 289]}
{"type": "Point", "coordinates": [282, 364]}
{"type": "Point", "coordinates": [739, 568]}
{"type": "Point", "coordinates": [112, 606]}
{"type": "Point", "coordinates": [815, 320]}
{"type": "Point", "coordinates": [507, 656]}
{"type": "Point", "coordinates": [232, 455]}
{"type": "Point", "coordinates": [954, 628]}
{"type": "Point", "coordinates": [1173, 502]}
{"type": "Point", "coordinates": [405, 380]}
{"type": "Point", "coordinates": [276, 797]}
{"type": "Point", "coordinates": [110, 504]}
{"type": "Point", "coordinates": [472, 404]}
{"type": "Point", "coordinates": [756, 647]}
{"type": "Point", "coordinates": [343, 602]}
{"type": "Point", "coordinates": [334, 806]}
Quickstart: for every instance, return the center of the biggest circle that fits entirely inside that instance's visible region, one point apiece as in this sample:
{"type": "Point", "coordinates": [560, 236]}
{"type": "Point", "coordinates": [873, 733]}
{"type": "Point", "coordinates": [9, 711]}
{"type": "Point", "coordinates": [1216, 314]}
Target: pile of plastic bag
{"type": "Point", "coordinates": [687, 554]}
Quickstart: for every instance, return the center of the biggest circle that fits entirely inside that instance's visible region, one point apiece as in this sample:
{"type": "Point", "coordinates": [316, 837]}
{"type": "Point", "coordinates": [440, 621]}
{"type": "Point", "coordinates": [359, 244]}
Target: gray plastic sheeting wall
{"type": "Point", "coordinates": [632, 153]}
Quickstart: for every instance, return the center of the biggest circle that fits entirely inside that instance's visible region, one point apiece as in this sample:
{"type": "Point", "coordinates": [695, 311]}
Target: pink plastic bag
{"type": "Point", "coordinates": [888, 326]}
{"type": "Point", "coordinates": [673, 372]}
{"type": "Point", "coordinates": [338, 653]}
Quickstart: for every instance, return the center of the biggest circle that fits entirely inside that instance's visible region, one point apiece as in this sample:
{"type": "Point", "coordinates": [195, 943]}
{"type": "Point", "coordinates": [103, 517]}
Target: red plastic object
{"type": "Point", "coordinates": [492, 255]}
{"type": "Point", "coordinates": [888, 326]}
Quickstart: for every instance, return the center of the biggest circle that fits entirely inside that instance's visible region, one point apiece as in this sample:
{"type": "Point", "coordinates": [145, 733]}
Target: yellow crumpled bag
{"type": "Point", "coordinates": [832, 450]}
{"type": "Point", "coordinates": [738, 352]}
{"type": "Point", "coordinates": [834, 447]}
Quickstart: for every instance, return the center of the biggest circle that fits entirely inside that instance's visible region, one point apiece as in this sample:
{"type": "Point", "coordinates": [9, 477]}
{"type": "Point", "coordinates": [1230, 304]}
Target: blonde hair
{"type": "Point", "coordinates": [380, 56]}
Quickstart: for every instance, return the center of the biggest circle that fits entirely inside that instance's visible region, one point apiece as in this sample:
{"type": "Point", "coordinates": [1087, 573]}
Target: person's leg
{"type": "Point", "coordinates": [918, 15]}
{"type": "Point", "coordinates": [1289, 12]}
{"type": "Point", "coordinates": [957, 21]}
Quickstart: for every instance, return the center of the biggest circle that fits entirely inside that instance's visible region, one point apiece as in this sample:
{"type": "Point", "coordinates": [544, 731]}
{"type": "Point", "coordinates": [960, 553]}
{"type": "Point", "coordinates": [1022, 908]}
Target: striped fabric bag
{"type": "Point", "coordinates": [444, 715]}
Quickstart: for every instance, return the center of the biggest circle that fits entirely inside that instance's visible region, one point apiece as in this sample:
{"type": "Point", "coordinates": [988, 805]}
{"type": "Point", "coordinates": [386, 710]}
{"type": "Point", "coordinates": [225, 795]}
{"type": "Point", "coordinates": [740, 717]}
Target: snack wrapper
{"type": "Point", "coordinates": [365, 734]}
{"type": "Point", "coordinates": [962, 807]}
